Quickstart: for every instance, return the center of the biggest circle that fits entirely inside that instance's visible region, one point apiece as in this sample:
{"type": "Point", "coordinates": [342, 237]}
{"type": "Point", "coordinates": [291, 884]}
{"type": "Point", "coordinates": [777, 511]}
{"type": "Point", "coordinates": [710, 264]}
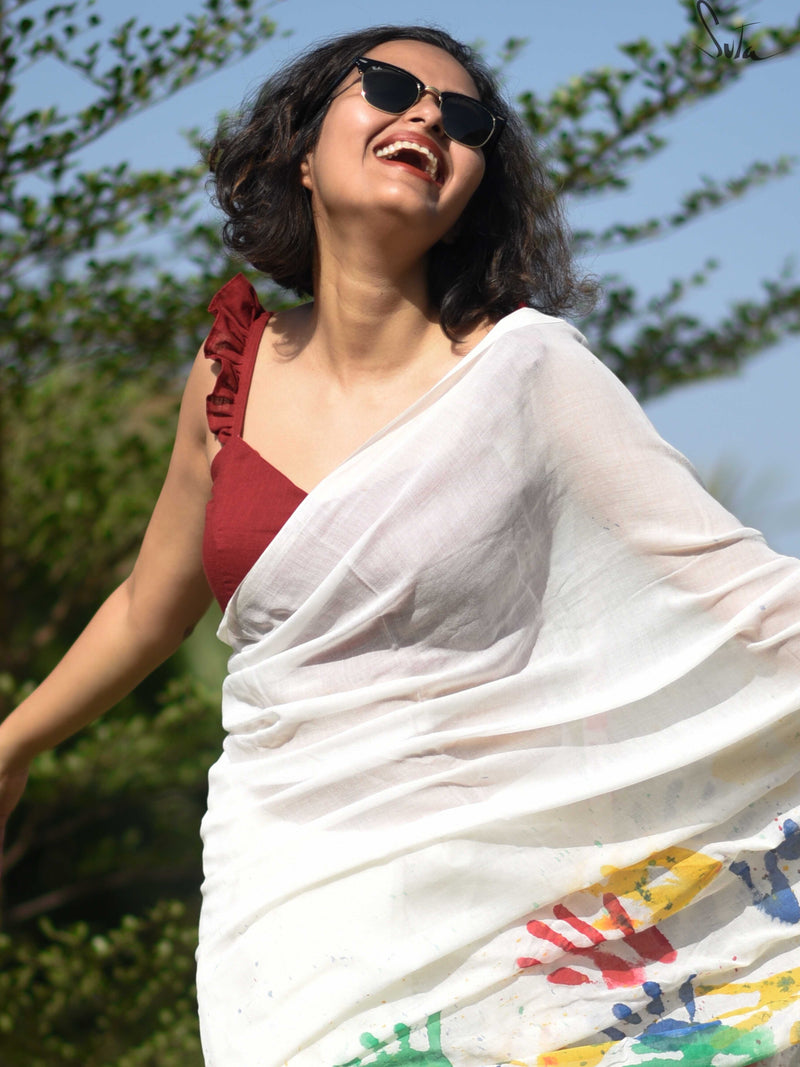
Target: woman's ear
{"type": "Point", "coordinates": [305, 172]}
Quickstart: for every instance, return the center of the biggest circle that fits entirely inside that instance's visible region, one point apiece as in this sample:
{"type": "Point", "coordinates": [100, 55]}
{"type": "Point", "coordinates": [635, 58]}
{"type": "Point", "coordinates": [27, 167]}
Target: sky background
{"type": "Point", "coordinates": [748, 423]}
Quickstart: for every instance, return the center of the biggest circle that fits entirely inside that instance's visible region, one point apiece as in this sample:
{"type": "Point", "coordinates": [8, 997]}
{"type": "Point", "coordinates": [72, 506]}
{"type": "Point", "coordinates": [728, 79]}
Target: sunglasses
{"type": "Point", "coordinates": [394, 90]}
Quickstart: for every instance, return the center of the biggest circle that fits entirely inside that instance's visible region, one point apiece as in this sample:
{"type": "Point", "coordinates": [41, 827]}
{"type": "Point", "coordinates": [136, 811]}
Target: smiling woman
{"type": "Point", "coordinates": [511, 247]}
{"type": "Point", "coordinates": [512, 714]}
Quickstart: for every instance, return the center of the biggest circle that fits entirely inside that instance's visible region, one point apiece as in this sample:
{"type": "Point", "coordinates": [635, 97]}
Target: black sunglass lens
{"type": "Point", "coordinates": [389, 90]}
{"type": "Point", "coordinates": [466, 121]}
{"type": "Point", "coordinates": [394, 91]}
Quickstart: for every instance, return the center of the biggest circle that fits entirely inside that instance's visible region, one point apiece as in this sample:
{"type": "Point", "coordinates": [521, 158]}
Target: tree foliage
{"type": "Point", "coordinates": [103, 870]}
{"type": "Point", "coordinates": [102, 866]}
{"type": "Point", "coordinates": [597, 128]}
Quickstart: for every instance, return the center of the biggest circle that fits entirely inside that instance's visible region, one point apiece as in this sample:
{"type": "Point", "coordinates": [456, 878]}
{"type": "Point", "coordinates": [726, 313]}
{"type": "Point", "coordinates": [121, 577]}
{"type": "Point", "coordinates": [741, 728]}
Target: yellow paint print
{"type": "Point", "coordinates": [664, 883]}
{"type": "Point", "coordinates": [585, 1056]}
{"type": "Point", "coordinates": [773, 994]}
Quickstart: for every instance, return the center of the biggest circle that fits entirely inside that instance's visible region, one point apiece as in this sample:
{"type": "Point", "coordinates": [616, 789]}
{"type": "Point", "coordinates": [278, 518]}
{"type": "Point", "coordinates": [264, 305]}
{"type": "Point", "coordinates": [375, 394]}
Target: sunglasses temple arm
{"type": "Point", "coordinates": [499, 126]}
{"type": "Point", "coordinates": [329, 97]}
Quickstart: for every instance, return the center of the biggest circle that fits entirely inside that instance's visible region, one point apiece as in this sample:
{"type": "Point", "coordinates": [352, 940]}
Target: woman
{"type": "Point", "coordinates": [512, 711]}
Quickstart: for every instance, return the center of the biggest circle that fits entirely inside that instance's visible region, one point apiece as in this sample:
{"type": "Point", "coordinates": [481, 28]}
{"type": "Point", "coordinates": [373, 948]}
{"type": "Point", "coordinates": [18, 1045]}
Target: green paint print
{"type": "Point", "coordinates": [377, 1054]}
{"type": "Point", "coordinates": [698, 1044]}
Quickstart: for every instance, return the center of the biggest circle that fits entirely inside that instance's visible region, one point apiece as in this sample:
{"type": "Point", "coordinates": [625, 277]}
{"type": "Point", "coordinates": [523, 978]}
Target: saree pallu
{"type": "Point", "coordinates": [511, 766]}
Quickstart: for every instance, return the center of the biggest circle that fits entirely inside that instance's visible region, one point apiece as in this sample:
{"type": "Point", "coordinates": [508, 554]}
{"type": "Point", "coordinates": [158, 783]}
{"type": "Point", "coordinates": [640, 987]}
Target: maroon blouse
{"type": "Point", "coordinates": [250, 500]}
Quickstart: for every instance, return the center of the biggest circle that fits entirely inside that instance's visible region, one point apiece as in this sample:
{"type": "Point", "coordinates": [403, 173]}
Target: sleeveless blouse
{"type": "Point", "coordinates": [251, 499]}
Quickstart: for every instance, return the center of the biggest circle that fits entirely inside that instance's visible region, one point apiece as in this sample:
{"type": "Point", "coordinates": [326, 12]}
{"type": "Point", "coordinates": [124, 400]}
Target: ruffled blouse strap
{"type": "Point", "coordinates": [236, 308]}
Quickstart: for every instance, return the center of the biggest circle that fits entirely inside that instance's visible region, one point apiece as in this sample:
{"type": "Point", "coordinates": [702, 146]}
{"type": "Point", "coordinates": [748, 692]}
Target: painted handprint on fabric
{"type": "Point", "coordinates": [780, 902]}
{"type": "Point", "coordinates": [399, 1053]}
{"type": "Point", "coordinates": [609, 935]}
{"type": "Point", "coordinates": [653, 1014]}
{"type": "Point", "coordinates": [657, 1033]}
{"type": "Point", "coordinates": [617, 936]}
{"type": "Point", "coordinates": [624, 966]}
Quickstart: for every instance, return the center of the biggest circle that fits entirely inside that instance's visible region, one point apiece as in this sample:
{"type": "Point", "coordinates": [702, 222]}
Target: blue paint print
{"type": "Point", "coordinates": [661, 1025]}
{"type": "Point", "coordinates": [625, 1013]}
{"type": "Point", "coordinates": [781, 903]}
{"type": "Point", "coordinates": [622, 1011]}
{"type": "Point", "coordinates": [686, 993]}
{"type": "Point", "coordinates": [656, 1004]}
{"type": "Point", "coordinates": [673, 1028]}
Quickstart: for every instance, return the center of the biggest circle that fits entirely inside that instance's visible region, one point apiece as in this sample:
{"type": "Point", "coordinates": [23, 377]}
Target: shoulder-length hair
{"type": "Point", "coordinates": [511, 247]}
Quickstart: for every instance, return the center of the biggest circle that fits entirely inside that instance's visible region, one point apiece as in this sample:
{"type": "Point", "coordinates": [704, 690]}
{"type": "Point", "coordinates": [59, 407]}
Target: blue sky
{"type": "Point", "coordinates": [749, 422]}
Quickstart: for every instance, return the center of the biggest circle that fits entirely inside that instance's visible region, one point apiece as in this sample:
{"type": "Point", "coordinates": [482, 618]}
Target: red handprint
{"type": "Point", "coordinates": [648, 946]}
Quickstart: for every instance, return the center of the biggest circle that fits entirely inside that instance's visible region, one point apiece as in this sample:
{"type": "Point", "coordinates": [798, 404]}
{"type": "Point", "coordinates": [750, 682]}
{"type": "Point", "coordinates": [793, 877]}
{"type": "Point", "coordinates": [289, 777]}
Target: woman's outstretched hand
{"type": "Point", "coordinates": [141, 623]}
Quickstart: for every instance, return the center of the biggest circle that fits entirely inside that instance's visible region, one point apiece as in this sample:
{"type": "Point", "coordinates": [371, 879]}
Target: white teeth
{"type": "Point", "coordinates": [431, 162]}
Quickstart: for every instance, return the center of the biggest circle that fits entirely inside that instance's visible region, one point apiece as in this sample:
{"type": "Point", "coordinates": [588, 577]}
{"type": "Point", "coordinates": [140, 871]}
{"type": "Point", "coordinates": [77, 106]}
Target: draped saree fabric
{"type": "Point", "coordinates": [511, 765]}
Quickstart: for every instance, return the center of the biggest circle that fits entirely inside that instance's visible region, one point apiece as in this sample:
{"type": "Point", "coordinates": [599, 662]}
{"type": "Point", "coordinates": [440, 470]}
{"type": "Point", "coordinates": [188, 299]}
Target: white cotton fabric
{"type": "Point", "coordinates": [511, 766]}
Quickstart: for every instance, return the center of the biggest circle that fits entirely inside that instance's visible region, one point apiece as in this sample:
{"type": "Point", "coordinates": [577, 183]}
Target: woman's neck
{"type": "Point", "coordinates": [371, 315]}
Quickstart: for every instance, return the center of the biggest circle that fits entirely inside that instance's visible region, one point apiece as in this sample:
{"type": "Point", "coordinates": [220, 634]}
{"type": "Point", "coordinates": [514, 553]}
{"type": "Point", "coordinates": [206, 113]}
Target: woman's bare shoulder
{"type": "Point", "coordinates": [287, 331]}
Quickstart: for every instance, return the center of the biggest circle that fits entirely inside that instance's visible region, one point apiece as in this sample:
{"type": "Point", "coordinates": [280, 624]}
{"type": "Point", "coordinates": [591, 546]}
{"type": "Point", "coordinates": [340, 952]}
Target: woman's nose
{"type": "Point", "coordinates": [427, 108]}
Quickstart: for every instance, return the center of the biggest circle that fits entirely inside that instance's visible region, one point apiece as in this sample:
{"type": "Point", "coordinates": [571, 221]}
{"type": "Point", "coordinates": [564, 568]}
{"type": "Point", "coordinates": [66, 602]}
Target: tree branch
{"type": "Point", "coordinates": [69, 894]}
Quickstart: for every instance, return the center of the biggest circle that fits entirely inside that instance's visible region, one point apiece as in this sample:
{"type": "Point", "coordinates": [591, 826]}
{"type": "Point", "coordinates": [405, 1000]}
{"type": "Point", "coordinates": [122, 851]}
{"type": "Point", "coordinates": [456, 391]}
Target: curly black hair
{"type": "Point", "coordinates": [511, 248]}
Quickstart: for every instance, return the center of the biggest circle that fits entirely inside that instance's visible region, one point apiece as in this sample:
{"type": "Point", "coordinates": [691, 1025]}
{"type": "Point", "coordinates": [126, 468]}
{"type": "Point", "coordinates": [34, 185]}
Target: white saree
{"type": "Point", "coordinates": [511, 766]}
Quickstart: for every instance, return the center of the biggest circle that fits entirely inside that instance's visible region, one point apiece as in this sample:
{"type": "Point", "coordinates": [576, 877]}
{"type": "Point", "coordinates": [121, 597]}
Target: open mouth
{"type": "Point", "coordinates": [413, 155]}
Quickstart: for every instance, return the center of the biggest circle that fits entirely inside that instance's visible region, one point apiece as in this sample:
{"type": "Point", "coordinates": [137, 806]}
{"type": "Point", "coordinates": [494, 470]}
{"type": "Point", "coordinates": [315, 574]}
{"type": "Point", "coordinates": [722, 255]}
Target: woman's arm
{"type": "Point", "coordinates": [141, 623]}
{"type": "Point", "coordinates": [634, 501]}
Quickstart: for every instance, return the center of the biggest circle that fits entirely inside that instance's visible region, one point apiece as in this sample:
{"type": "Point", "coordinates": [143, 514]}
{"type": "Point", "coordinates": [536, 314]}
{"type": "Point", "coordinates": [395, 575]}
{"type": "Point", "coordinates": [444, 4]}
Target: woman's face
{"type": "Point", "coordinates": [357, 169]}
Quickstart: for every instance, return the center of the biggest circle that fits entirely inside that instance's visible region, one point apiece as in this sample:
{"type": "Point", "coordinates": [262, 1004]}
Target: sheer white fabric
{"type": "Point", "coordinates": [511, 767]}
